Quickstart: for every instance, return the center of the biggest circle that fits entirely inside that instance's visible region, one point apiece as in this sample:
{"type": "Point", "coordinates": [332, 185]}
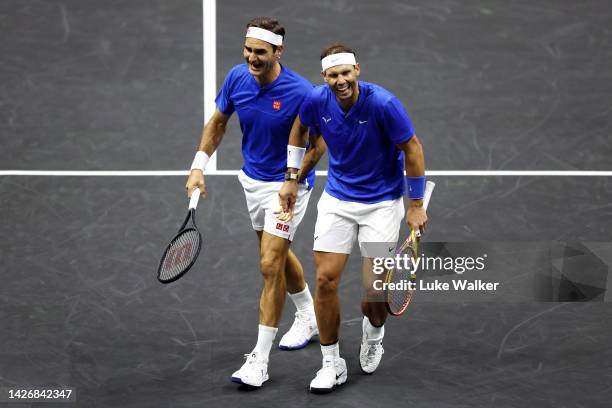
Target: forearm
{"type": "Point", "coordinates": [297, 139]}
{"type": "Point", "coordinates": [414, 162]}
{"type": "Point", "coordinates": [211, 136]}
{"type": "Point", "coordinates": [299, 134]}
{"type": "Point", "coordinates": [312, 157]}
{"type": "Point", "coordinates": [414, 159]}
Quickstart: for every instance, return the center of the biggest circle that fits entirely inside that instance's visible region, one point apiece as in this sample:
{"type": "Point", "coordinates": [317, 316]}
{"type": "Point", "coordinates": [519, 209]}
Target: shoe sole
{"type": "Point", "coordinates": [299, 346]}
{"type": "Point", "coordinates": [328, 390]}
{"type": "Point", "coordinates": [364, 371]}
{"type": "Point", "coordinates": [239, 381]}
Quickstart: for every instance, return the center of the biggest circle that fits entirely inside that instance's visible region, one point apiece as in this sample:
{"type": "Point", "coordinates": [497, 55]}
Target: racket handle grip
{"type": "Point", "coordinates": [428, 190]}
{"type": "Point", "coordinates": [195, 197]}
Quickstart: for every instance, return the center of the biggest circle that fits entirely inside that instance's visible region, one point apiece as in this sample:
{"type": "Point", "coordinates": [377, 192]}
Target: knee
{"type": "Point", "coordinates": [327, 283]}
{"type": "Point", "coordinates": [271, 265]}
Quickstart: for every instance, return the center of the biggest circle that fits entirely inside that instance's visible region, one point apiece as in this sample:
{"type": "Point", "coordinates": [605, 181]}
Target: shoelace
{"type": "Point", "coordinates": [327, 365]}
{"type": "Point", "coordinates": [251, 358]}
{"type": "Point", "coordinates": [300, 318]}
{"type": "Point", "coordinates": [372, 350]}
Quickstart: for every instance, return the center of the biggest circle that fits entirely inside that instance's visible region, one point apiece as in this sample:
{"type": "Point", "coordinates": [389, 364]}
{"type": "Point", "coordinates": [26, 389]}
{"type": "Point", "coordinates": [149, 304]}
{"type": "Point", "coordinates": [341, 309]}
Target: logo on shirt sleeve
{"type": "Point", "coordinates": [276, 105]}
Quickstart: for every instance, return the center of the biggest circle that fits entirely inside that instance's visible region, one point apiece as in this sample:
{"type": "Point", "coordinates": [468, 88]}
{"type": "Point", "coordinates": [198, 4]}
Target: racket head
{"type": "Point", "coordinates": [397, 300]}
{"type": "Point", "coordinates": [181, 254]}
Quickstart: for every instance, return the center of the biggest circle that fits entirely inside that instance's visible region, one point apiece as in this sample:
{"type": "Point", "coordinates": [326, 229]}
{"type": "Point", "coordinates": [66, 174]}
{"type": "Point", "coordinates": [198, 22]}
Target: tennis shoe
{"type": "Point", "coordinates": [254, 371]}
{"type": "Point", "coordinates": [303, 329]}
{"type": "Point", "coordinates": [332, 373]}
{"type": "Point", "coordinates": [371, 351]}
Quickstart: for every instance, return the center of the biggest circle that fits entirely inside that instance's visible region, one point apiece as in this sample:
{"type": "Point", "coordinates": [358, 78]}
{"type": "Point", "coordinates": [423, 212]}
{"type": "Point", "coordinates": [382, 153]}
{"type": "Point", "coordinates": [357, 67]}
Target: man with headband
{"type": "Point", "coordinates": [371, 141]}
{"type": "Point", "coordinates": [266, 96]}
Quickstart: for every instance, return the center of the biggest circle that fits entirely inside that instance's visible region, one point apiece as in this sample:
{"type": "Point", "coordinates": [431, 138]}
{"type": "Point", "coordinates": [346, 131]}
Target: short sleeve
{"type": "Point", "coordinates": [308, 110]}
{"type": "Point", "coordinates": [223, 99]}
{"type": "Point", "coordinates": [395, 121]}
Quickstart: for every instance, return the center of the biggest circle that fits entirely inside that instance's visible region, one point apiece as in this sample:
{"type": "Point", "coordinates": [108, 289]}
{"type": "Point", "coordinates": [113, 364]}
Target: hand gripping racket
{"type": "Point", "coordinates": [183, 250]}
{"type": "Point", "coordinates": [397, 291]}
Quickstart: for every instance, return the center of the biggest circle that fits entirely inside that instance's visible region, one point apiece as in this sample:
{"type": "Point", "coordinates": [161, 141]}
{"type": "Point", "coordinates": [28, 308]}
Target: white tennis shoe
{"type": "Point", "coordinates": [332, 373]}
{"type": "Point", "coordinates": [254, 371]}
{"type": "Point", "coordinates": [303, 329]}
{"type": "Point", "coordinates": [371, 351]}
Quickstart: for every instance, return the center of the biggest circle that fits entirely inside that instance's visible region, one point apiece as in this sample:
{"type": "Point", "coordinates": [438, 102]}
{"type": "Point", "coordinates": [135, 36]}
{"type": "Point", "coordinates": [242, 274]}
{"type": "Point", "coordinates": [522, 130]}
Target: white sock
{"type": "Point", "coordinates": [373, 333]}
{"type": "Point", "coordinates": [331, 350]}
{"type": "Point", "coordinates": [303, 301]}
{"type": "Point", "coordinates": [265, 338]}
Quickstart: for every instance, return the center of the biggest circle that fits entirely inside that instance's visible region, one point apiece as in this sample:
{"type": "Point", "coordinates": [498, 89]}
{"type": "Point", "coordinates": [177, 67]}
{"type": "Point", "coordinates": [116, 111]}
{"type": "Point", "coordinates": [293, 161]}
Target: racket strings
{"type": "Point", "coordinates": [399, 295]}
{"type": "Point", "coordinates": [403, 280]}
{"type": "Point", "coordinates": [180, 255]}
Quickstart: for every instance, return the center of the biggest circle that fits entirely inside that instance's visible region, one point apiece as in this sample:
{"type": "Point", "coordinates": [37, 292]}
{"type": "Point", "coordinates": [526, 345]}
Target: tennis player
{"type": "Point", "coordinates": [370, 140]}
{"type": "Point", "coordinates": [266, 95]}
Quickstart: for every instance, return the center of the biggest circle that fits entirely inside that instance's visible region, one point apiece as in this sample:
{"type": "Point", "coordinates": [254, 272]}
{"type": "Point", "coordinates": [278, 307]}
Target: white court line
{"type": "Point", "coordinates": [209, 60]}
{"type": "Point", "coordinates": [209, 64]}
{"type": "Point", "coordinates": [434, 173]}
{"type": "Point", "coordinates": [209, 83]}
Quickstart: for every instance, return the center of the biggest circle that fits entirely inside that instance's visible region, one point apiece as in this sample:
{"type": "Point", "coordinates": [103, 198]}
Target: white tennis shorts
{"type": "Point", "coordinates": [376, 226]}
{"type": "Point", "coordinates": [262, 202]}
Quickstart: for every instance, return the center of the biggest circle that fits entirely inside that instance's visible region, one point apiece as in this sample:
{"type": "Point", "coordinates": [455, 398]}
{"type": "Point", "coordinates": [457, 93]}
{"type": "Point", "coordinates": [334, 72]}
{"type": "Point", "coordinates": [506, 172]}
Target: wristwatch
{"type": "Point", "coordinates": [291, 176]}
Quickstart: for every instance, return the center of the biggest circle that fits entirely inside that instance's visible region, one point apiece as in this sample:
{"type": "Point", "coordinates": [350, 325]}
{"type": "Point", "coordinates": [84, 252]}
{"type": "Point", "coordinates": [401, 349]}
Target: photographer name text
{"type": "Point", "coordinates": [436, 285]}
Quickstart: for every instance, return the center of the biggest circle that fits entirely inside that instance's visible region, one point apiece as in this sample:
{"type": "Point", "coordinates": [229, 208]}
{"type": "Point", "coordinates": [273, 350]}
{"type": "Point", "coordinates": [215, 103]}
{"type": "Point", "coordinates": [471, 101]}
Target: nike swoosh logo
{"type": "Point", "coordinates": [391, 249]}
{"type": "Point", "coordinates": [361, 122]}
{"type": "Point", "coordinates": [325, 119]}
{"type": "Point", "coordinates": [339, 375]}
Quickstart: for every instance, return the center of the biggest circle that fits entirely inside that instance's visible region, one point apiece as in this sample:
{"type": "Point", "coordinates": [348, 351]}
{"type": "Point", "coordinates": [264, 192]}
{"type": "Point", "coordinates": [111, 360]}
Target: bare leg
{"type": "Point", "coordinates": [373, 301]}
{"type": "Point", "coordinates": [294, 273]}
{"type": "Point", "coordinates": [273, 256]}
{"type": "Point", "coordinates": [329, 267]}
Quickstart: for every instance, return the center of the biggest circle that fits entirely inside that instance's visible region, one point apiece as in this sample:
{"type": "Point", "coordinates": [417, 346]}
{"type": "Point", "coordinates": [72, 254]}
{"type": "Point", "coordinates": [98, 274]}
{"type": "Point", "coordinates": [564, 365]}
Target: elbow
{"type": "Point", "coordinates": [321, 150]}
{"type": "Point", "coordinates": [413, 147]}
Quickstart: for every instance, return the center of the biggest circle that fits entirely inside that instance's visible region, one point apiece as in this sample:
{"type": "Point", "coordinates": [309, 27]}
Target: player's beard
{"type": "Point", "coordinates": [347, 92]}
{"type": "Point", "coordinates": [263, 68]}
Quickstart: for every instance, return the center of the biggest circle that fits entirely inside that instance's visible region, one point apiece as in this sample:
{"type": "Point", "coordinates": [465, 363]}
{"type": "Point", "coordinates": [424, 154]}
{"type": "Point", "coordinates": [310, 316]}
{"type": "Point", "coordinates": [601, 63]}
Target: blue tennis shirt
{"type": "Point", "coordinates": [364, 164]}
{"type": "Point", "coordinates": [266, 116]}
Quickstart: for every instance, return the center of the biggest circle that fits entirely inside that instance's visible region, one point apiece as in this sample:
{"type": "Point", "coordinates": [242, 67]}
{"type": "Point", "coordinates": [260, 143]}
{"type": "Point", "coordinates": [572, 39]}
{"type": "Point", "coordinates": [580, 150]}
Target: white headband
{"type": "Point", "coordinates": [264, 35]}
{"type": "Point", "coordinates": [342, 58]}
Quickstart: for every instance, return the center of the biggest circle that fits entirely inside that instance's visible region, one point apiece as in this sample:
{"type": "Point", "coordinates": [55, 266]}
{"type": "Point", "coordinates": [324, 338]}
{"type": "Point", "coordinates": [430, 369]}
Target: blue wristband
{"type": "Point", "coordinates": [416, 187]}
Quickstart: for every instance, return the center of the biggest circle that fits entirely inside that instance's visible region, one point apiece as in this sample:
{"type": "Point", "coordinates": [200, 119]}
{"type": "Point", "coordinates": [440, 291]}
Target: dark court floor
{"type": "Point", "coordinates": [118, 86]}
{"type": "Point", "coordinates": [81, 306]}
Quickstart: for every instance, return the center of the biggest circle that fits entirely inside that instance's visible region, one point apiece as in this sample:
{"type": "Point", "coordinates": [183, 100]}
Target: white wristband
{"type": "Point", "coordinates": [295, 156]}
{"type": "Point", "coordinates": [200, 161]}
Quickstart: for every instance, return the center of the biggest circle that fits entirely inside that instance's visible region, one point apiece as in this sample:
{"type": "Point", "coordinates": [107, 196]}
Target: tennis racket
{"type": "Point", "coordinates": [398, 296]}
{"type": "Point", "coordinates": [183, 250]}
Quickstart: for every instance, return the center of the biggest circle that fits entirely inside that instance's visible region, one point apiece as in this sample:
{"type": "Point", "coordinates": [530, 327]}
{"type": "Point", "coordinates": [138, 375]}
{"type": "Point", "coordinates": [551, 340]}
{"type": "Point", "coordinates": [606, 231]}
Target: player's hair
{"type": "Point", "coordinates": [336, 49]}
{"type": "Point", "coordinates": [270, 24]}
